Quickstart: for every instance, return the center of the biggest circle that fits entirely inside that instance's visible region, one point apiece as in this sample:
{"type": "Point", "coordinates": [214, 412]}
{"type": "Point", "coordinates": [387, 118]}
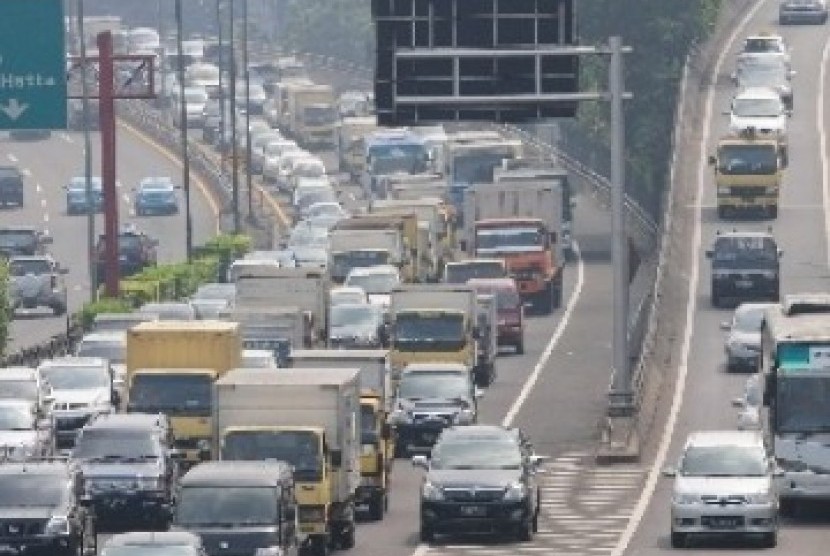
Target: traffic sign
{"type": "Point", "coordinates": [32, 65]}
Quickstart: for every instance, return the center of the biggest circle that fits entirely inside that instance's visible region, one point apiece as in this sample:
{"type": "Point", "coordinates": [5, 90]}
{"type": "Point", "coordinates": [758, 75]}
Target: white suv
{"type": "Point", "coordinates": [723, 485]}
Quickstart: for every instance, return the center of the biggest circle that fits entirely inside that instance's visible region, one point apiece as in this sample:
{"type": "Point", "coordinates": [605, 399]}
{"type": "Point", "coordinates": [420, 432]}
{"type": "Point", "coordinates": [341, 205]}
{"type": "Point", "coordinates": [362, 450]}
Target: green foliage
{"type": "Point", "coordinates": [103, 305]}
{"type": "Point", "coordinates": [4, 306]}
{"type": "Point", "coordinates": [338, 28]}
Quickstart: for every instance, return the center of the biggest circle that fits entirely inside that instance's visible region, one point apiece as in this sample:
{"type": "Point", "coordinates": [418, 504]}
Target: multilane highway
{"type": "Point", "coordinates": [48, 165]}
{"type": "Point", "coordinates": [704, 388]}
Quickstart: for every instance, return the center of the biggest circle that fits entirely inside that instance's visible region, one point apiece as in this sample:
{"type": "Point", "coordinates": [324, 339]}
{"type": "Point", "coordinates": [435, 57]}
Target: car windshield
{"type": "Point", "coordinates": [740, 252]}
{"type": "Point", "coordinates": [75, 377]}
{"type": "Point", "coordinates": [724, 461]}
{"type": "Point", "coordinates": [195, 96]}
{"type": "Point", "coordinates": [347, 297]}
{"type": "Point", "coordinates": [205, 506]}
{"type": "Point", "coordinates": [762, 44]}
{"type": "Point", "coordinates": [171, 393]}
{"type": "Point", "coordinates": [18, 389]}
{"type": "Point", "coordinates": [22, 267]}
{"type": "Point", "coordinates": [507, 239]}
{"type": "Point", "coordinates": [354, 315]}
{"type": "Point", "coordinates": [16, 418]}
{"type": "Point", "coordinates": [757, 107]}
{"type": "Point", "coordinates": [301, 449]}
{"type": "Point", "coordinates": [749, 319]}
{"type": "Point", "coordinates": [113, 351]}
{"type": "Point", "coordinates": [434, 384]}
{"type": "Point", "coordinates": [375, 283]}
{"type": "Point", "coordinates": [477, 453]}
{"type": "Point", "coordinates": [748, 159]}
{"type": "Point", "coordinates": [17, 238]}
{"type": "Point", "coordinates": [32, 490]}
{"type": "Point", "coordinates": [154, 549]}
{"type": "Point", "coordinates": [113, 443]}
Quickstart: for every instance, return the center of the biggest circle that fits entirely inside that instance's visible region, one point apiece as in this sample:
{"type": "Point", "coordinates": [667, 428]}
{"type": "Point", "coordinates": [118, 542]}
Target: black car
{"type": "Point", "coordinates": [129, 469]}
{"type": "Point", "coordinates": [42, 510]}
{"type": "Point", "coordinates": [745, 267]}
{"type": "Point", "coordinates": [22, 241]}
{"type": "Point", "coordinates": [11, 186]}
{"type": "Point", "coordinates": [480, 479]}
{"type": "Point", "coordinates": [136, 250]}
{"type": "Point", "coordinates": [430, 398]}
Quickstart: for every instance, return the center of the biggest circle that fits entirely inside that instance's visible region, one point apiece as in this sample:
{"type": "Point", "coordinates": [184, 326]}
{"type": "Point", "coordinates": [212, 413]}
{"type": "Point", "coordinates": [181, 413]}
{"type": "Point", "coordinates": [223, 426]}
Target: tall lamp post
{"type": "Point", "coordinates": [90, 201]}
{"type": "Point", "coordinates": [249, 173]}
{"type": "Point", "coordinates": [183, 129]}
{"type": "Point", "coordinates": [234, 150]}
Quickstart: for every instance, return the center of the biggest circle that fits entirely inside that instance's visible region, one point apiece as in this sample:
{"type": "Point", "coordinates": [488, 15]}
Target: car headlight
{"type": "Point", "coordinates": [724, 190]}
{"type": "Point", "coordinates": [769, 274]}
{"type": "Point", "coordinates": [432, 492]}
{"type": "Point", "coordinates": [515, 492]}
{"type": "Point", "coordinates": [399, 416]}
{"type": "Point", "coordinates": [685, 499]}
{"type": "Point", "coordinates": [58, 525]}
{"type": "Point", "coordinates": [760, 498]}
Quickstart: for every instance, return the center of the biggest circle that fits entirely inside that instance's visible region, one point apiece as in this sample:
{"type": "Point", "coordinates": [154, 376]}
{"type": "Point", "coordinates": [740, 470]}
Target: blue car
{"type": "Point", "coordinates": [155, 196]}
{"type": "Point", "coordinates": [76, 197]}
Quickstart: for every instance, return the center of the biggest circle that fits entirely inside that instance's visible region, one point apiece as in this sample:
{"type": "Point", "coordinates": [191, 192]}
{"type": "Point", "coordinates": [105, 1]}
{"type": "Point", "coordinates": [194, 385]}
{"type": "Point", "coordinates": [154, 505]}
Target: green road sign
{"type": "Point", "coordinates": [32, 65]}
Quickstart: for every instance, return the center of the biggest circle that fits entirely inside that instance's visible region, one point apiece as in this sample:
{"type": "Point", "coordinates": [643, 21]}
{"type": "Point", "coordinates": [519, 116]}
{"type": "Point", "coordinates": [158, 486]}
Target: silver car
{"type": "Point", "coordinates": [723, 485]}
{"type": "Point", "coordinates": [743, 343]}
{"type": "Point", "coordinates": [37, 281]}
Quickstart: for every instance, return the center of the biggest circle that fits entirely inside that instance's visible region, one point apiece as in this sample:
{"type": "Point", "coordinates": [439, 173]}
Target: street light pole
{"type": "Point", "coordinates": [249, 173]}
{"type": "Point", "coordinates": [234, 150]}
{"type": "Point", "coordinates": [90, 201]}
{"type": "Point", "coordinates": [221, 34]}
{"type": "Point", "coordinates": [188, 223]}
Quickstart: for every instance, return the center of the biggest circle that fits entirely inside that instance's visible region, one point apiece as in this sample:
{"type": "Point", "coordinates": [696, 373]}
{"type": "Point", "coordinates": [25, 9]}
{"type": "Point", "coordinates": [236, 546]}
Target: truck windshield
{"type": "Point", "coordinates": [460, 273]}
{"type": "Point", "coordinates": [475, 168]}
{"type": "Point", "coordinates": [113, 443]}
{"type": "Point", "coordinates": [301, 449]}
{"type": "Point", "coordinates": [36, 267]}
{"type": "Point", "coordinates": [19, 389]}
{"type": "Point", "coordinates": [206, 506]}
{"type": "Point", "coordinates": [389, 159]}
{"type": "Point", "coordinates": [375, 283]}
{"type": "Point", "coordinates": [318, 115]}
{"type": "Point", "coordinates": [748, 159]}
{"type": "Point", "coordinates": [358, 315]}
{"type": "Point", "coordinates": [509, 239]}
{"type": "Point", "coordinates": [172, 394]}
{"type": "Point", "coordinates": [801, 404]}
{"type": "Point", "coordinates": [744, 252]}
{"type": "Point", "coordinates": [342, 263]}
{"type": "Point", "coordinates": [113, 351]}
{"type": "Point", "coordinates": [31, 490]}
{"type": "Point", "coordinates": [76, 377]}
{"type": "Point", "coordinates": [18, 239]}
{"type": "Point", "coordinates": [429, 331]}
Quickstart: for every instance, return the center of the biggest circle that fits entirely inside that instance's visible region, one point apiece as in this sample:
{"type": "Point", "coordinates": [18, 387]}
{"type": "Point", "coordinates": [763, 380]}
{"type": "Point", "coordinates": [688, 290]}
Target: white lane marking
{"type": "Point", "coordinates": [126, 198]}
{"type": "Point", "coordinates": [822, 139]}
{"type": "Point", "coordinates": [26, 172]}
{"type": "Point", "coordinates": [691, 306]}
{"type": "Point", "coordinates": [38, 188]}
{"type": "Point", "coordinates": [66, 137]}
{"type": "Point", "coordinates": [118, 184]}
{"type": "Point", "coordinates": [12, 158]}
{"type": "Point", "coordinates": [560, 329]}
{"type": "Point", "coordinates": [43, 203]}
{"type": "Point", "coordinates": [46, 217]}
{"type": "Point", "coordinates": [573, 299]}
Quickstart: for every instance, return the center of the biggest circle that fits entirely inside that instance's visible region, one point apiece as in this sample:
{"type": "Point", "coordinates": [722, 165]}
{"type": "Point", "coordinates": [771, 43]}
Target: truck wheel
{"type": "Point", "coordinates": [678, 540]}
{"type": "Point", "coordinates": [525, 531]}
{"type": "Point", "coordinates": [427, 534]}
{"type": "Point", "coordinates": [318, 546]}
{"type": "Point", "coordinates": [556, 297]}
{"type": "Point", "coordinates": [770, 540]}
{"type": "Point", "coordinates": [773, 212]}
{"type": "Point", "coordinates": [520, 347]}
{"type": "Point", "coordinates": [346, 539]}
{"type": "Point", "coordinates": [376, 506]}
{"type": "Point", "coordinates": [59, 309]}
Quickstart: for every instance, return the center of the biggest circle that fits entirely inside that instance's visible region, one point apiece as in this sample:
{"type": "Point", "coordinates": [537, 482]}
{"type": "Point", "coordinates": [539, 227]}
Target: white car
{"type": "Point", "coordinates": [350, 295]}
{"type": "Point", "coordinates": [258, 359]}
{"type": "Point", "coordinates": [758, 108]}
{"type": "Point", "coordinates": [743, 343]}
{"type": "Point", "coordinates": [327, 213]}
{"type": "Point", "coordinates": [23, 383]}
{"type": "Point", "coordinates": [723, 485]}
{"type": "Point", "coordinates": [22, 437]}
{"type": "Point", "coordinates": [258, 144]}
{"type": "Point", "coordinates": [110, 345]}
{"type": "Point", "coordinates": [272, 153]}
{"type": "Point", "coordinates": [195, 100]}
{"type": "Point", "coordinates": [766, 42]}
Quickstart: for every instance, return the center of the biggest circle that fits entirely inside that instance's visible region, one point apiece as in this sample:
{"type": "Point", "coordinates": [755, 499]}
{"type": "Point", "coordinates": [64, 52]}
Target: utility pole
{"type": "Point", "coordinates": [234, 150]}
{"type": "Point", "coordinates": [249, 173]}
{"type": "Point", "coordinates": [90, 201]}
{"type": "Point", "coordinates": [220, 32]}
{"type": "Point", "coordinates": [107, 123]}
{"type": "Point", "coordinates": [163, 53]}
{"type": "Point", "coordinates": [621, 395]}
{"type": "Point", "coordinates": [183, 129]}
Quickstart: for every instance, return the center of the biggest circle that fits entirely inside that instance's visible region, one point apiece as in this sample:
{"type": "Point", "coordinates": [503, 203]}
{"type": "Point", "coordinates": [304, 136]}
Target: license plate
{"type": "Point", "coordinates": [724, 522]}
{"type": "Point", "coordinates": [5, 548]}
{"type": "Point", "coordinates": [743, 283]}
{"type": "Point", "coordinates": [473, 511]}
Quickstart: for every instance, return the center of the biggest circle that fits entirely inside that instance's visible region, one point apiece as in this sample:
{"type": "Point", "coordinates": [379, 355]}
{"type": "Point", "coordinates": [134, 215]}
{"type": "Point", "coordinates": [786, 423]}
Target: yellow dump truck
{"type": "Point", "coordinates": [748, 172]}
{"type": "Point", "coordinates": [171, 367]}
{"type": "Point", "coordinates": [407, 224]}
{"type": "Point", "coordinates": [351, 144]}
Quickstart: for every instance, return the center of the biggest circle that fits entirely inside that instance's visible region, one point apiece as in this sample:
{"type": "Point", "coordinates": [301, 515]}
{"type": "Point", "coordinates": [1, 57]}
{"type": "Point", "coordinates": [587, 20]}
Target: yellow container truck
{"type": "Point", "coordinates": [171, 367]}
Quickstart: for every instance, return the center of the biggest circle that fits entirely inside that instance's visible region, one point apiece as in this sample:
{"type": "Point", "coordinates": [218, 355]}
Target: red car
{"type": "Point", "coordinates": [508, 306]}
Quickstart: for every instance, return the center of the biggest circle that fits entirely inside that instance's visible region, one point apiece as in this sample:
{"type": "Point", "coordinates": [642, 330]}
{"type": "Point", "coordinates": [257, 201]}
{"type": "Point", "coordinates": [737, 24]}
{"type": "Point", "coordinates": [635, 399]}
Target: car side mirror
{"type": "Point", "coordinates": [777, 472]}
{"type": "Point", "coordinates": [537, 460]}
{"type": "Point", "coordinates": [478, 393]}
{"type": "Point", "coordinates": [63, 270]}
{"type": "Point", "coordinates": [709, 253]}
{"type": "Point", "coordinates": [290, 513]}
{"type": "Point", "coordinates": [336, 458]}
{"type": "Point", "coordinates": [47, 240]}
{"type": "Point", "coordinates": [726, 112]}
{"type": "Point", "coordinates": [712, 160]}
{"type": "Point", "coordinates": [739, 403]}
{"type": "Point", "coordinates": [780, 253]}
{"type": "Point", "coordinates": [420, 461]}
{"type": "Point", "coordinates": [726, 325]}
{"type": "Point", "coordinates": [792, 73]}
{"type": "Point", "coordinates": [386, 431]}
{"type": "Point", "coordinates": [669, 472]}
